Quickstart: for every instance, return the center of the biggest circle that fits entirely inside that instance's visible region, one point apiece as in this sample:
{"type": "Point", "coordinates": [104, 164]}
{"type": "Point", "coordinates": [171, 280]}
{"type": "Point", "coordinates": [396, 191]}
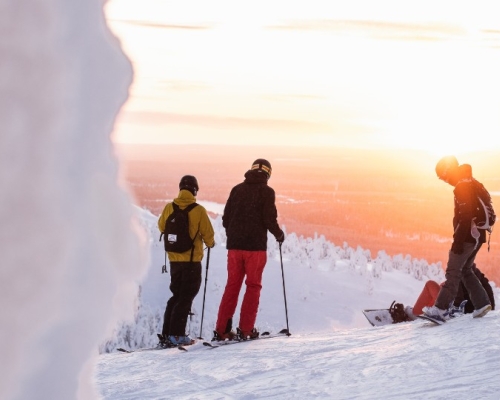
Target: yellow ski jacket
{"type": "Point", "coordinates": [199, 225]}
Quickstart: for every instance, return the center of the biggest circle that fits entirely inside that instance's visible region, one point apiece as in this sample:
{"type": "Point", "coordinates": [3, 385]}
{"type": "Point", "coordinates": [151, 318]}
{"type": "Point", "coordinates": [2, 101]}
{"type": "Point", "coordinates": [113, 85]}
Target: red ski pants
{"type": "Point", "coordinates": [239, 264]}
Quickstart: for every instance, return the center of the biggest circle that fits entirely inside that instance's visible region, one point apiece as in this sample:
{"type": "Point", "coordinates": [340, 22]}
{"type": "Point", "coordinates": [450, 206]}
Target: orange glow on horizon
{"type": "Point", "coordinates": [379, 200]}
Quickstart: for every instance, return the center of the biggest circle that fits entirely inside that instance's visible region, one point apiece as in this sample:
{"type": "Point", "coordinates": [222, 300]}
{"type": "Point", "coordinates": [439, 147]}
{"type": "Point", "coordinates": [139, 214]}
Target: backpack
{"type": "Point", "coordinates": [177, 239]}
{"type": "Point", "coordinates": [484, 217]}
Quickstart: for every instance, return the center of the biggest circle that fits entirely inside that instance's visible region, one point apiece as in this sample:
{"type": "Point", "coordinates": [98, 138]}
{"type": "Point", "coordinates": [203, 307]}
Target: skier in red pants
{"type": "Point", "coordinates": [249, 213]}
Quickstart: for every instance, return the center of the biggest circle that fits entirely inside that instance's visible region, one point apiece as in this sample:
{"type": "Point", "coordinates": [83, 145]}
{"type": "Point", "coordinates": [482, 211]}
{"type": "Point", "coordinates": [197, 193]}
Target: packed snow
{"type": "Point", "coordinates": [333, 351]}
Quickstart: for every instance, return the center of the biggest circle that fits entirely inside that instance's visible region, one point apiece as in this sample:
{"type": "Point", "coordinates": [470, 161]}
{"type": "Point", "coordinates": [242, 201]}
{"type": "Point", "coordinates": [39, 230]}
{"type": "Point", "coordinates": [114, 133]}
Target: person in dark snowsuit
{"type": "Point", "coordinates": [466, 243]}
{"type": "Point", "coordinates": [462, 293]}
{"type": "Point", "coordinates": [431, 290]}
{"type": "Point", "coordinates": [250, 212]}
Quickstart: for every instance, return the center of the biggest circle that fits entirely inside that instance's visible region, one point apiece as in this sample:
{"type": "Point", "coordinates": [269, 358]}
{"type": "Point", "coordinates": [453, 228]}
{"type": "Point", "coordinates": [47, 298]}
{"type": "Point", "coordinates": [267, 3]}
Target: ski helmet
{"type": "Point", "coordinates": [190, 183]}
{"type": "Point", "coordinates": [262, 165]}
{"type": "Point", "coordinates": [445, 166]}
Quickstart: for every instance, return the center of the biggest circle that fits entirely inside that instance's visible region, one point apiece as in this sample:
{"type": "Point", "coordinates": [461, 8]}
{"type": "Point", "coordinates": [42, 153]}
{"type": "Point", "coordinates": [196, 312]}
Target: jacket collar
{"type": "Point", "coordinates": [184, 198]}
{"type": "Point", "coordinates": [255, 176]}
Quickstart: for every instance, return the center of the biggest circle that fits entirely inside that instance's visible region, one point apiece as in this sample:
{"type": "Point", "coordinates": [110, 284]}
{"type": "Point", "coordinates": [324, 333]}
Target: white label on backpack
{"type": "Point", "coordinates": [172, 238]}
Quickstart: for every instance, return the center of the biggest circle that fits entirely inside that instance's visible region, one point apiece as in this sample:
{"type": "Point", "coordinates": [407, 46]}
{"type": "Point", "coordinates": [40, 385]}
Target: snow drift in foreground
{"type": "Point", "coordinates": [69, 255]}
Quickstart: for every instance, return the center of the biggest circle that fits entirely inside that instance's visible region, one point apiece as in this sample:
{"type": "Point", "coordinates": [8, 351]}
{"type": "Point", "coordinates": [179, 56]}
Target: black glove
{"type": "Point", "coordinates": [457, 247]}
{"type": "Point", "coordinates": [281, 238]}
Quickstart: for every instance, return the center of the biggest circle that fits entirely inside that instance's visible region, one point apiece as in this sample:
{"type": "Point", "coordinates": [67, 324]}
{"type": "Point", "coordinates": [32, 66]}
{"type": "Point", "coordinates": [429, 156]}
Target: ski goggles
{"type": "Point", "coordinates": [262, 167]}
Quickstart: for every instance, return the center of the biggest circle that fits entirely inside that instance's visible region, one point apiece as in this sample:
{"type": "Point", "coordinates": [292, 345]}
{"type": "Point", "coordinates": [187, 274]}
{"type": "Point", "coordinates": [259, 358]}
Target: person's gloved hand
{"type": "Point", "coordinates": [281, 238]}
{"type": "Point", "coordinates": [212, 246]}
{"type": "Point", "coordinates": [457, 247]}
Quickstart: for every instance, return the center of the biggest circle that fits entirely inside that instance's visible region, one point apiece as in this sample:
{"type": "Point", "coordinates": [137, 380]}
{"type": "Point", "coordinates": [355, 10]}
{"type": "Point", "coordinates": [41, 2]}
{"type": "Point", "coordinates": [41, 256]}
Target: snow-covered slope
{"type": "Point", "coordinates": [333, 352]}
{"type": "Point", "coordinates": [416, 360]}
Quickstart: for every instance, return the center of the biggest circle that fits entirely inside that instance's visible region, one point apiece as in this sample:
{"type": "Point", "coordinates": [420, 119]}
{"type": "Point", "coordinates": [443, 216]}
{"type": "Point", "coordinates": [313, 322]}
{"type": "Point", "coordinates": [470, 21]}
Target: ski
{"type": "Point", "coordinates": [265, 335]}
{"type": "Point", "coordinates": [157, 347]}
{"type": "Point", "coordinates": [182, 348]}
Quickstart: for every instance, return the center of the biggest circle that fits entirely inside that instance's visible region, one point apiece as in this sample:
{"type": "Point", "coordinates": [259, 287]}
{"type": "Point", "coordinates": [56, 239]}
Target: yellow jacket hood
{"type": "Point", "coordinates": [199, 226]}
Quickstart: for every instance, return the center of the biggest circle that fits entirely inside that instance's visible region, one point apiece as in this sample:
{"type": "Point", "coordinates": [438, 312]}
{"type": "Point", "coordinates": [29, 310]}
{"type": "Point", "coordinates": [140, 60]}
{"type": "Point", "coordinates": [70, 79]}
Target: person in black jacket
{"type": "Point", "coordinates": [249, 213]}
{"type": "Point", "coordinates": [467, 240]}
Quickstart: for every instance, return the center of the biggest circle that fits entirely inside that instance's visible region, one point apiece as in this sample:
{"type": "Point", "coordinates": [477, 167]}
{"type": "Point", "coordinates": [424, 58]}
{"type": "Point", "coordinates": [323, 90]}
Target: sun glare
{"type": "Point", "coordinates": [438, 143]}
{"type": "Point", "coordinates": [323, 75]}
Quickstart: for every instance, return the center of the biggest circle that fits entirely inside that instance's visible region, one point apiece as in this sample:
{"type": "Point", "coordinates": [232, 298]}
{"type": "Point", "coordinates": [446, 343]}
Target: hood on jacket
{"type": "Point", "coordinates": [256, 176]}
{"type": "Point", "coordinates": [184, 198]}
{"type": "Point", "coordinates": [462, 173]}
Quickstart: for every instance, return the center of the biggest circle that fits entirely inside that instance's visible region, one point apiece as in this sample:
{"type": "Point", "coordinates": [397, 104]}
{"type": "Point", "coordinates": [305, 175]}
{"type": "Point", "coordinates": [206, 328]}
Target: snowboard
{"type": "Point", "coordinates": [455, 312]}
{"type": "Point", "coordinates": [427, 318]}
{"type": "Point", "coordinates": [378, 317]}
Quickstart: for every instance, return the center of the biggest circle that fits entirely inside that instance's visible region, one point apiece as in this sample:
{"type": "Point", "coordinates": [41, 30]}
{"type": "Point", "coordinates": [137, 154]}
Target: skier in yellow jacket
{"type": "Point", "coordinates": [185, 268]}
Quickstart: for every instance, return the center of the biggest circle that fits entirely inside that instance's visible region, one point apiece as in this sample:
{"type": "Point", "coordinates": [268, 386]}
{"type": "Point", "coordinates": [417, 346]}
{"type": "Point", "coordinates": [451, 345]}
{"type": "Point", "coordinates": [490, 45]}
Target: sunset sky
{"type": "Point", "coordinates": [419, 75]}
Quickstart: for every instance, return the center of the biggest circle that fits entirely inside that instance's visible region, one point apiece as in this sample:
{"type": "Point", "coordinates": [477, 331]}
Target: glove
{"type": "Point", "coordinates": [457, 247]}
{"type": "Point", "coordinates": [281, 238]}
{"type": "Point", "coordinates": [211, 247]}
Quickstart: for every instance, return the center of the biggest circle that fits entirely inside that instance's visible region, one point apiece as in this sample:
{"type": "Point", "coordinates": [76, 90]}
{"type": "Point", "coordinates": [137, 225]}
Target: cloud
{"type": "Point", "coordinates": [162, 26]}
{"type": "Point", "coordinates": [378, 29]}
{"type": "Point", "coordinates": [215, 122]}
{"type": "Point", "coordinates": [292, 97]}
{"type": "Point", "coordinates": [183, 86]}
{"type": "Point", "coordinates": [492, 38]}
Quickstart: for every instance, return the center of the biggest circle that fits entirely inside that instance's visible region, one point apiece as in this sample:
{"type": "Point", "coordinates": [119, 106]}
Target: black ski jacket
{"type": "Point", "coordinates": [250, 212]}
{"type": "Point", "coordinates": [465, 203]}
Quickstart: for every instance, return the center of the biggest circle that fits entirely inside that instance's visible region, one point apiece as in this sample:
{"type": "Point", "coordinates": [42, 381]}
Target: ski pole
{"type": "Point", "coordinates": [284, 293]}
{"type": "Point", "coordinates": [164, 266]}
{"type": "Point", "coordinates": [204, 293]}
